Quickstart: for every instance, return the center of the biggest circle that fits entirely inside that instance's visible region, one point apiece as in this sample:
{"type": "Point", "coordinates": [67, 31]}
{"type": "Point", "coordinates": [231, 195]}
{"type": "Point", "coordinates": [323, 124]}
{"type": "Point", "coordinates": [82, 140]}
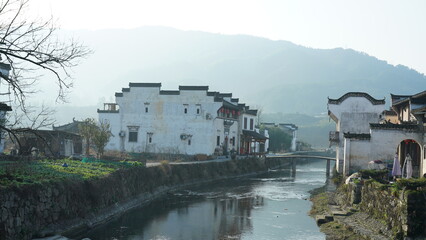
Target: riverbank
{"type": "Point", "coordinates": [40, 210]}
{"type": "Point", "coordinates": [343, 223]}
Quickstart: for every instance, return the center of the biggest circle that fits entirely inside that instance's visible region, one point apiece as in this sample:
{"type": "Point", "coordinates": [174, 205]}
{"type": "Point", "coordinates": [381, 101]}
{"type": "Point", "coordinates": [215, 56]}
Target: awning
{"type": "Point", "coordinates": [254, 135]}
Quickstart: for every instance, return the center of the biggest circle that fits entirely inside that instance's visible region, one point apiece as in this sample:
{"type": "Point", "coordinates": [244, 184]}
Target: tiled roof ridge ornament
{"type": "Point", "coordinates": [356, 94]}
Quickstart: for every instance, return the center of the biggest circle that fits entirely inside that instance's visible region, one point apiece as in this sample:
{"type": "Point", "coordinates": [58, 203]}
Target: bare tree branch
{"type": "Point", "coordinates": [29, 45]}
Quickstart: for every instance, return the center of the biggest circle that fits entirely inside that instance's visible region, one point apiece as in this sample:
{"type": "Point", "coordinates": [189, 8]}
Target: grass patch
{"type": "Point", "coordinates": [319, 204]}
{"type": "Point", "coordinates": [35, 172]}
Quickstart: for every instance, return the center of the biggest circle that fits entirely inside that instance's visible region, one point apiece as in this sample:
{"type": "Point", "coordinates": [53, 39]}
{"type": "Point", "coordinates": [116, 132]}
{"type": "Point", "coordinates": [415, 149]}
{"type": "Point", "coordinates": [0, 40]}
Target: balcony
{"type": "Point", "coordinates": [109, 108]}
{"type": "Point", "coordinates": [334, 137]}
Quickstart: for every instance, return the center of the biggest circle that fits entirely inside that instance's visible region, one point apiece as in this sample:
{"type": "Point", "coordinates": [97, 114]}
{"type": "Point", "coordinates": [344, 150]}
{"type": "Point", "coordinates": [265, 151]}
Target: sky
{"type": "Point", "coordinates": [391, 30]}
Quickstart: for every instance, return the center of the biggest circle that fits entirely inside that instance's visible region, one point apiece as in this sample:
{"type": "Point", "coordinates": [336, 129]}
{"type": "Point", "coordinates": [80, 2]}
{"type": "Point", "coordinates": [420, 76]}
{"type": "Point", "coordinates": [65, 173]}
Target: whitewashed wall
{"type": "Point", "coordinates": [167, 121]}
{"type": "Point", "coordinates": [357, 155]}
{"type": "Point", "coordinates": [354, 114]}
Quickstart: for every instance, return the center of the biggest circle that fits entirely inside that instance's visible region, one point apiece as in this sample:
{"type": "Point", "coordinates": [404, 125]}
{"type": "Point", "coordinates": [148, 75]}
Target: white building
{"type": "Point", "coordinates": [353, 113]}
{"type": "Point", "coordinates": [191, 120]}
{"type": "Point", "coordinates": [362, 137]}
{"type": "Point", "coordinates": [290, 129]}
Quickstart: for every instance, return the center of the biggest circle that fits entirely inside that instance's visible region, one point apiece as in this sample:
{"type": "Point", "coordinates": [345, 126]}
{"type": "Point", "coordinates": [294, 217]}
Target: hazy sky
{"type": "Point", "coordinates": [387, 29]}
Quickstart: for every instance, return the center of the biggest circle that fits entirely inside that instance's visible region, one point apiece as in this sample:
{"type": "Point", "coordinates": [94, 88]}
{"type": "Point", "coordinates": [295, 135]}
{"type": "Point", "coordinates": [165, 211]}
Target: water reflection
{"type": "Point", "coordinates": [270, 206]}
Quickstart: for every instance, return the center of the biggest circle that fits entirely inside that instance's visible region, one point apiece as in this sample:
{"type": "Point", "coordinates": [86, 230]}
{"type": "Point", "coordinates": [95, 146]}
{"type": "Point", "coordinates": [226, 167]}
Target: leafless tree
{"type": "Point", "coordinates": [29, 47]}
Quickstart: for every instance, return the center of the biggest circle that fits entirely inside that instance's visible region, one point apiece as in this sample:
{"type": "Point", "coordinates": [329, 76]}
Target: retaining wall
{"type": "Point", "coordinates": [54, 208]}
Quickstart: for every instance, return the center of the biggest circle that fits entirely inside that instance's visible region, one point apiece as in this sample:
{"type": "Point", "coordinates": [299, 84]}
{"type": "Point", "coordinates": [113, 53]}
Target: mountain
{"type": "Point", "coordinates": [278, 76]}
{"type": "Point", "coordinates": [290, 83]}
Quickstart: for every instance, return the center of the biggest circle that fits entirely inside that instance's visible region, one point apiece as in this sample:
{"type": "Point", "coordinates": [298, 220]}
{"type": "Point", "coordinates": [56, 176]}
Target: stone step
{"type": "Point", "coordinates": [339, 213]}
{"type": "Point", "coordinates": [321, 219]}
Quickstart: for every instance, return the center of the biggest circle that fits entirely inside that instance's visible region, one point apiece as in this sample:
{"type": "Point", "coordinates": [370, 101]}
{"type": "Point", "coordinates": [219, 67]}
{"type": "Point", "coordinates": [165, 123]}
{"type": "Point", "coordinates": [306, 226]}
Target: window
{"type": "Point", "coordinates": [146, 107]}
{"type": "Point", "coordinates": [233, 141]}
{"type": "Point", "coordinates": [218, 141]}
{"type": "Point", "coordinates": [185, 108]}
{"type": "Point", "coordinates": [133, 136]}
{"type": "Point", "coordinates": [251, 123]}
{"type": "Point", "coordinates": [198, 109]}
{"type": "Point", "coordinates": [149, 136]}
{"type": "Point", "coordinates": [245, 123]}
{"type": "Point", "coordinates": [189, 142]}
{"type": "Point", "coordinates": [133, 133]}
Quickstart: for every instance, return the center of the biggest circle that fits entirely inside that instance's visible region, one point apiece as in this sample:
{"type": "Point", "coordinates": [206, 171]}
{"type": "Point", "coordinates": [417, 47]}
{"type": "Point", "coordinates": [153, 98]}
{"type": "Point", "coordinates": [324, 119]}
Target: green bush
{"type": "Point", "coordinates": [412, 183]}
{"type": "Point", "coordinates": [378, 175]}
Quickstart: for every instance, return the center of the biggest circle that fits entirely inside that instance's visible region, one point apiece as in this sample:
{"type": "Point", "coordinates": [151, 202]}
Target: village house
{"type": "Point", "coordinates": [353, 112]}
{"type": "Point", "coordinates": [399, 131]}
{"type": "Point", "coordinates": [191, 120]}
{"type": "Point", "coordinates": [290, 129]}
{"type": "Point", "coordinates": [52, 143]}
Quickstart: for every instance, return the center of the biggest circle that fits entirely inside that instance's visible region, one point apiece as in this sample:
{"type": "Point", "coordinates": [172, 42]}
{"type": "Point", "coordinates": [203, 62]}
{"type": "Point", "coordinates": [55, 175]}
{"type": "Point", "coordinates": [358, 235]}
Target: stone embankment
{"type": "Point", "coordinates": [54, 208]}
{"type": "Point", "coordinates": [375, 211]}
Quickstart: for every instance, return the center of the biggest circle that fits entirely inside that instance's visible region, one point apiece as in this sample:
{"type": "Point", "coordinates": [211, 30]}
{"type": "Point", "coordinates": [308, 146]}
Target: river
{"type": "Point", "coordinates": [270, 206]}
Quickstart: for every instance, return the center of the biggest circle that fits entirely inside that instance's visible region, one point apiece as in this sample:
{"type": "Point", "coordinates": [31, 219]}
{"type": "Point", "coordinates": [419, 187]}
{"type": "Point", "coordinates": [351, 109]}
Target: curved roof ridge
{"type": "Point", "coordinates": [357, 94]}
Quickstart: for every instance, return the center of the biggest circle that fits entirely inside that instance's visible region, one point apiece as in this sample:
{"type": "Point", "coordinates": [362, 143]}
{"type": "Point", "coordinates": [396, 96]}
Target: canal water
{"type": "Point", "coordinates": [270, 206]}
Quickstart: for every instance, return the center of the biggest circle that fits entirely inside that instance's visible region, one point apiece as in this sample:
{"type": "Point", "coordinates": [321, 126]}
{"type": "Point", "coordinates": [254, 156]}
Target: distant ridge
{"type": "Point", "coordinates": [278, 76]}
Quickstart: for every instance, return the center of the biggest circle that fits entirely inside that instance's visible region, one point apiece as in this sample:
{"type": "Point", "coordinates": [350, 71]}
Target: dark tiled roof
{"type": "Point", "coordinates": [125, 89]}
{"type": "Point", "coordinates": [356, 94]}
{"type": "Point", "coordinates": [419, 110]}
{"type": "Point", "coordinates": [4, 107]}
{"type": "Point", "coordinates": [251, 112]}
{"type": "Point", "coordinates": [225, 95]}
{"type": "Point", "coordinates": [5, 66]}
{"type": "Point", "coordinates": [360, 136]}
{"type": "Point", "coordinates": [254, 135]}
{"type": "Point", "coordinates": [416, 98]}
{"type": "Point", "coordinates": [69, 127]}
{"type": "Point", "coordinates": [118, 94]}
{"type": "Point", "coordinates": [229, 105]}
{"type": "Point", "coordinates": [396, 99]}
{"type": "Point", "coordinates": [45, 132]}
{"type": "Point", "coordinates": [169, 92]}
{"type": "Point", "coordinates": [420, 94]}
{"type": "Point", "coordinates": [407, 126]}
{"type": "Point", "coordinates": [235, 100]}
{"type": "Point", "coordinates": [211, 94]}
{"type": "Point", "coordinates": [144, 84]}
{"type": "Point", "coordinates": [196, 88]}
{"type": "Point", "coordinates": [108, 111]}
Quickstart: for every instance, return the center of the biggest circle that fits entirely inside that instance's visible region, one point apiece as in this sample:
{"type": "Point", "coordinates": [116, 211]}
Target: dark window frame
{"type": "Point", "coordinates": [133, 136]}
